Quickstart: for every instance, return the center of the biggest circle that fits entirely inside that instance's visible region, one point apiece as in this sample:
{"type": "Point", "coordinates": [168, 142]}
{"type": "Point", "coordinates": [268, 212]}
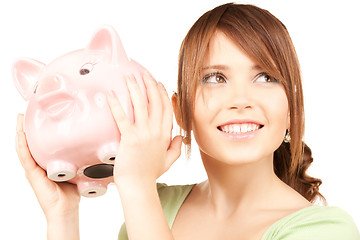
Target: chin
{"type": "Point", "coordinates": [238, 158]}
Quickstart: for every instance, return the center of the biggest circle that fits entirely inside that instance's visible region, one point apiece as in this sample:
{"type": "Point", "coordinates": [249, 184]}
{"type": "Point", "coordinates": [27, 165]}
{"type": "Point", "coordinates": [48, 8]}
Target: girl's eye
{"type": "Point", "coordinates": [265, 78]}
{"type": "Point", "coordinates": [86, 68]}
{"type": "Point", "coordinates": [214, 78]}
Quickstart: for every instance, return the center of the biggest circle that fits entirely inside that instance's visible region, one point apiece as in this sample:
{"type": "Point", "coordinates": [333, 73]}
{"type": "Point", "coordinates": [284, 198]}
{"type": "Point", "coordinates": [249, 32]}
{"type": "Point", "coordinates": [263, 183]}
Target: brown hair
{"type": "Point", "coordinates": [267, 42]}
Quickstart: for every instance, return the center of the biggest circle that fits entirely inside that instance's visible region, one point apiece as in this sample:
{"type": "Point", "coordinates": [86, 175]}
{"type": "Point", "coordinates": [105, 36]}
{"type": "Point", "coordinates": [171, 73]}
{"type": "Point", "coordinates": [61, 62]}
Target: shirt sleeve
{"type": "Point", "coordinates": [325, 223]}
{"type": "Point", "coordinates": [123, 233]}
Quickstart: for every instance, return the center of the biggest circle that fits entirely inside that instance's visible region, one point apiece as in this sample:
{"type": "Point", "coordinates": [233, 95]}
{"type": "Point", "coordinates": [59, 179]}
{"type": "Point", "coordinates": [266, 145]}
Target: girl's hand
{"type": "Point", "coordinates": [146, 149]}
{"type": "Point", "coordinates": [59, 201]}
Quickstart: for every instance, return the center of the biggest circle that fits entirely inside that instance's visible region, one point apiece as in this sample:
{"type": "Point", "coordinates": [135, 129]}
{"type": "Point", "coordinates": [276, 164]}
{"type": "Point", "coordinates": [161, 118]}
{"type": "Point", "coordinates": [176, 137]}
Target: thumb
{"type": "Point", "coordinates": [174, 151]}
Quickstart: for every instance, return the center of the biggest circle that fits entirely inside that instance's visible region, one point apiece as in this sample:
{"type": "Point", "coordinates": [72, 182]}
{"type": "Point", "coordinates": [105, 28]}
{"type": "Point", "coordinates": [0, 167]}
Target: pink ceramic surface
{"type": "Point", "coordinates": [68, 124]}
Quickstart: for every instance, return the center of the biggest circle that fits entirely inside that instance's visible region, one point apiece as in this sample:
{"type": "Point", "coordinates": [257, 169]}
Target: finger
{"type": "Point", "coordinates": [36, 176]}
{"type": "Point", "coordinates": [138, 101]}
{"type": "Point", "coordinates": [155, 102]}
{"type": "Point", "coordinates": [32, 170]}
{"type": "Point", "coordinates": [122, 121]}
{"type": "Point", "coordinates": [174, 151]}
{"type": "Point", "coordinates": [22, 148]}
{"type": "Point", "coordinates": [20, 122]}
{"type": "Point", "coordinates": [167, 108]}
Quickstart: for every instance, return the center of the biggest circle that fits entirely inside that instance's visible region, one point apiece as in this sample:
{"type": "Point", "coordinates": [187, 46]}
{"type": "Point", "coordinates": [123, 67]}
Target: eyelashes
{"type": "Point", "coordinates": [213, 78]}
{"type": "Point", "coordinates": [88, 67]}
{"type": "Point", "coordinates": [265, 78]}
{"type": "Point", "coordinates": [220, 78]}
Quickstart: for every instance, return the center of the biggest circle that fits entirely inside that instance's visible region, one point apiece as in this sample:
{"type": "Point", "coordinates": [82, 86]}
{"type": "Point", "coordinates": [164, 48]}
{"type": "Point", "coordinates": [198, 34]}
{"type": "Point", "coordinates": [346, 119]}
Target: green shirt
{"type": "Point", "coordinates": [311, 223]}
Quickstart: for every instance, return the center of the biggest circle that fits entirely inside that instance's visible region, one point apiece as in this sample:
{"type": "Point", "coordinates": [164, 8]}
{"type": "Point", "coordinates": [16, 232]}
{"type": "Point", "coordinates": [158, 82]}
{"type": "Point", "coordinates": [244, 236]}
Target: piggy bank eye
{"type": "Point", "coordinates": [36, 87]}
{"type": "Point", "coordinates": [86, 68]}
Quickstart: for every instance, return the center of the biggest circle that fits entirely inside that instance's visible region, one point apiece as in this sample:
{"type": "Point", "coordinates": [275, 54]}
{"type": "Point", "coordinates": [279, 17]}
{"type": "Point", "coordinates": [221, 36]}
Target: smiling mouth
{"type": "Point", "coordinates": [240, 128]}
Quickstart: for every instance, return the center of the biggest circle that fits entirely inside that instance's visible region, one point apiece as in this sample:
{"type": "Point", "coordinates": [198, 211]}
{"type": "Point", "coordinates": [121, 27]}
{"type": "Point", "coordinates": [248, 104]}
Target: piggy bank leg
{"type": "Point", "coordinates": [60, 171]}
{"type": "Point", "coordinates": [92, 188]}
{"type": "Point", "coordinates": [107, 153]}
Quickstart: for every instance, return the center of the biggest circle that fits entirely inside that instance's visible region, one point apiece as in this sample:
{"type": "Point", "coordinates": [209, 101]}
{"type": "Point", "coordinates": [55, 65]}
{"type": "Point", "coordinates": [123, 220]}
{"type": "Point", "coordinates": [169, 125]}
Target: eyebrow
{"type": "Point", "coordinates": [219, 67]}
{"type": "Point", "coordinates": [224, 67]}
{"type": "Point", "coordinates": [256, 67]}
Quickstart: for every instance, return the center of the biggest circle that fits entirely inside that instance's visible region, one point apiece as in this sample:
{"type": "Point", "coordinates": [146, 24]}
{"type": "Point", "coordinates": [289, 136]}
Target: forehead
{"type": "Point", "coordinates": [222, 51]}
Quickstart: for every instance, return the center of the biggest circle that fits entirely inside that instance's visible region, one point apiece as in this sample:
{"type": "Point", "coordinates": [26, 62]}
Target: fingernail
{"type": "Point", "coordinates": [147, 74]}
{"type": "Point", "coordinates": [19, 116]}
{"type": "Point", "coordinates": [162, 86]}
{"type": "Point", "coordinates": [131, 78]}
{"type": "Point", "coordinates": [19, 123]}
{"type": "Point", "coordinates": [111, 96]}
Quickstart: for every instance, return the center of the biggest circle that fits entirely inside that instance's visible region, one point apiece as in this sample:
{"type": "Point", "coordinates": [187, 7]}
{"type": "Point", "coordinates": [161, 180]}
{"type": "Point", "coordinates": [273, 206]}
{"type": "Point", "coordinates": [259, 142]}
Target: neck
{"type": "Point", "coordinates": [231, 188]}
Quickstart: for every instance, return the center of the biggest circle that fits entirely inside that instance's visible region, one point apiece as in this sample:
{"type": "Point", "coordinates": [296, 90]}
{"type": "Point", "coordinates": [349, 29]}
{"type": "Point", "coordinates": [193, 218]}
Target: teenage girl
{"type": "Point", "coordinates": [240, 95]}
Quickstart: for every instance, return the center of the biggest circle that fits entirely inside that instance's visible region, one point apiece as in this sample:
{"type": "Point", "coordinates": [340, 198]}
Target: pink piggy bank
{"type": "Point", "coordinates": [69, 127]}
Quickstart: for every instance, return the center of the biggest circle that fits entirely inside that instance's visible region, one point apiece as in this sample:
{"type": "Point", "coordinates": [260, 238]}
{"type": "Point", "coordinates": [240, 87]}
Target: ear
{"type": "Point", "coordinates": [106, 39]}
{"type": "Point", "coordinates": [25, 73]}
{"type": "Point", "coordinates": [288, 120]}
{"type": "Point", "coordinates": [176, 108]}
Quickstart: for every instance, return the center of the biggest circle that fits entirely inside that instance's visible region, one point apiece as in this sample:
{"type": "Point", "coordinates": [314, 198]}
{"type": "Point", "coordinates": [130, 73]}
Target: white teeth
{"type": "Point", "coordinates": [240, 128]}
{"type": "Point", "coordinates": [244, 128]}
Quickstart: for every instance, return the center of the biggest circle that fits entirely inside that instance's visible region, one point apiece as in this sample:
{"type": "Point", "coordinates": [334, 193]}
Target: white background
{"type": "Point", "coordinates": [325, 34]}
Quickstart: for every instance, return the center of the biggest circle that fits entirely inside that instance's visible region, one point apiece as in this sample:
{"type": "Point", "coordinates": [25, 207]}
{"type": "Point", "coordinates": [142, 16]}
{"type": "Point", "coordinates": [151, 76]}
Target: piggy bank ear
{"type": "Point", "coordinates": [25, 74]}
{"type": "Point", "coordinates": [106, 39]}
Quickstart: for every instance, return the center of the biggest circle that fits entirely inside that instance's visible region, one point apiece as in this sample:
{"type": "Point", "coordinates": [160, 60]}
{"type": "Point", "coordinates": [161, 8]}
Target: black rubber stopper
{"type": "Point", "coordinates": [99, 171]}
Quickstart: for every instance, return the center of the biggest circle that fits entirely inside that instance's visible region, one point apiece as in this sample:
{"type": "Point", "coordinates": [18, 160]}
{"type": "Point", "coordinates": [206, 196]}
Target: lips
{"type": "Point", "coordinates": [240, 127]}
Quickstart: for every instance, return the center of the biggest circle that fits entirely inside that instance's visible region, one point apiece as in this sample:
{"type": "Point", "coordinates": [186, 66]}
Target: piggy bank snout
{"type": "Point", "coordinates": [50, 84]}
{"type": "Point", "coordinates": [53, 95]}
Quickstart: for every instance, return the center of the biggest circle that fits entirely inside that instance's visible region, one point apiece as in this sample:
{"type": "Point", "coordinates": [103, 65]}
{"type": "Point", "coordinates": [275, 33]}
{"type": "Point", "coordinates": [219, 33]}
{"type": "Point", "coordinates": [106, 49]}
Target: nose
{"type": "Point", "coordinates": [50, 84]}
{"type": "Point", "coordinates": [240, 96]}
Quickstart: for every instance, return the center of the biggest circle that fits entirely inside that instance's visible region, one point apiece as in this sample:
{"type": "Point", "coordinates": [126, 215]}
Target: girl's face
{"type": "Point", "coordinates": [241, 114]}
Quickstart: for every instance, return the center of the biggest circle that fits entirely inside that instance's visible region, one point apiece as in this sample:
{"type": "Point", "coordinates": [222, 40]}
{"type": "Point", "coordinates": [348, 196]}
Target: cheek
{"type": "Point", "coordinates": [199, 109]}
{"type": "Point", "coordinates": [207, 106]}
{"type": "Point", "coordinates": [278, 110]}
{"type": "Point", "coordinates": [207, 103]}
